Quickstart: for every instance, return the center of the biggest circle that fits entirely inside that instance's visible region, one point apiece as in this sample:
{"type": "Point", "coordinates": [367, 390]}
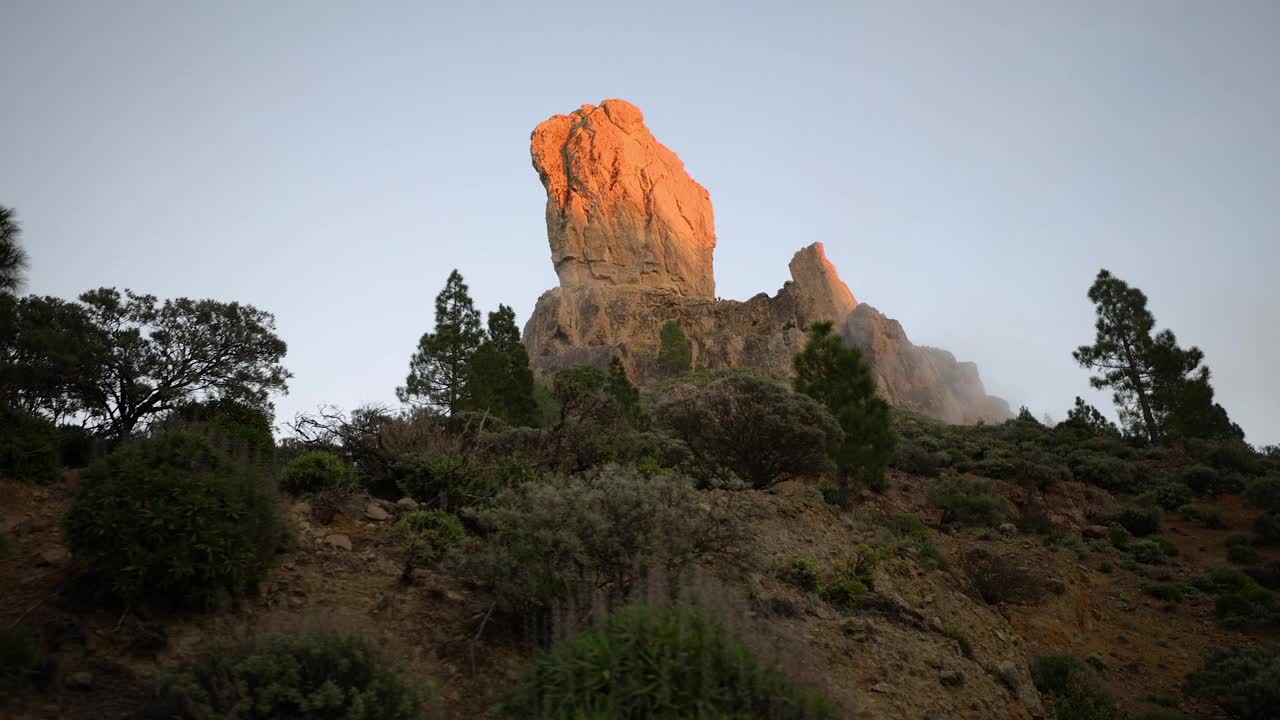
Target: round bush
{"type": "Point", "coordinates": [240, 426]}
{"type": "Point", "coordinates": [754, 429]}
{"type": "Point", "coordinates": [1264, 494]}
{"type": "Point", "coordinates": [663, 664]}
{"type": "Point", "coordinates": [1170, 495]}
{"type": "Point", "coordinates": [1242, 680]}
{"type": "Point", "coordinates": [1139, 520]}
{"type": "Point", "coordinates": [316, 470]}
{"type": "Point", "coordinates": [1267, 526]}
{"type": "Point", "coordinates": [428, 534]}
{"type": "Point", "coordinates": [308, 676]}
{"type": "Point", "coordinates": [170, 517]}
{"type": "Point", "coordinates": [968, 500]}
{"type": "Point", "coordinates": [28, 447]}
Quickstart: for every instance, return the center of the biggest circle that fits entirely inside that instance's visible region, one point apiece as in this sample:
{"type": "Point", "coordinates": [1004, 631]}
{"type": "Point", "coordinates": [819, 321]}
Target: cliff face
{"type": "Point", "coordinates": [632, 237]}
{"type": "Point", "coordinates": [621, 210]}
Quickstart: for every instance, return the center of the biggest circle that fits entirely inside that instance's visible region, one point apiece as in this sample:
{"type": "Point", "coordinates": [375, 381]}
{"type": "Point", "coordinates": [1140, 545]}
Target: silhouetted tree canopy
{"type": "Point", "coordinates": [439, 368]}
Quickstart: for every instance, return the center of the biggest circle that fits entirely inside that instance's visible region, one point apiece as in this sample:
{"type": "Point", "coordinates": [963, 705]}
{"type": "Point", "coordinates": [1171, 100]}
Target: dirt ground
{"type": "Point", "coordinates": [899, 658]}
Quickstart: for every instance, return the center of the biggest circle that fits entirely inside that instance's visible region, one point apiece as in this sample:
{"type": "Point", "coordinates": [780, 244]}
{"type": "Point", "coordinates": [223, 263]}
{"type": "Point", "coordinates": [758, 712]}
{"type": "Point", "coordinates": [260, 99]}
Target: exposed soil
{"type": "Point", "coordinates": [899, 655]}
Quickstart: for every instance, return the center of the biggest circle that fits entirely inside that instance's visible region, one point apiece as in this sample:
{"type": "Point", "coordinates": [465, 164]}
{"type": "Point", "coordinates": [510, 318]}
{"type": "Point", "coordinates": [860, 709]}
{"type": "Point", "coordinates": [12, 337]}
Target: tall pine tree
{"type": "Point", "coordinates": [13, 258]}
{"type": "Point", "coordinates": [837, 376]}
{"type": "Point", "coordinates": [439, 369]}
{"type": "Point", "coordinates": [1161, 389]}
{"type": "Point", "coordinates": [1121, 352]}
{"type": "Point", "coordinates": [499, 379]}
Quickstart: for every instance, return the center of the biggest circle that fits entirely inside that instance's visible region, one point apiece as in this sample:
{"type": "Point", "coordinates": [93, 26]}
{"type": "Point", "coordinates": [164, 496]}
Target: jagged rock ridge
{"type": "Point", "coordinates": [632, 238]}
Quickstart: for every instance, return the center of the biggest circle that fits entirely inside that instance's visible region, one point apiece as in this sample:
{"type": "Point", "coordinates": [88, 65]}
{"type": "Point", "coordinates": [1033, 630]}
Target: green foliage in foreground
{"type": "Point", "coordinates": [170, 518]}
{"type": "Point", "coordinates": [308, 676]}
{"type": "Point", "coordinates": [21, 657]}
{"type": "Point", "coordinates": [1072, 690]}
{"type": "Point", "coordinates": [1243, 681]}
{"type": "Point", "coordinates": [837, 376]}
{"type": "Point", "coordinates": [28, 447]}
{"type": "Point", "coordinates": [316, 470]}
{"type": "Point", "coordinates": [662, 664]}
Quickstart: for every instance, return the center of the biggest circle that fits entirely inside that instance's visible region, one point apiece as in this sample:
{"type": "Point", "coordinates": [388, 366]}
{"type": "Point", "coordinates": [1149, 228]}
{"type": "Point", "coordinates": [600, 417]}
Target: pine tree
{"type": "Point", "coordinates": [440, 367]}
{"type": "Point", "coordinates": [1087, 417]}
{"type": "Point", "coordinates": [1121, 352]}
{"type": "Point", "coordinates": [1161, 389]}
{"type": "Point", "coordinates": [13, 259]}
{"type": "Point", "coordinates": [836, 375]}
{"type": "Point", "coordinates": [674, 353]}
{"type": "Point", "coordinates": [625, 396]}
{"type": "Point", "coordinates": [499, 378]}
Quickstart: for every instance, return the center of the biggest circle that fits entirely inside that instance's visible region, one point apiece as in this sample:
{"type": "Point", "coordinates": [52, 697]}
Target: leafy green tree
{"type": "Point", "coordinates": [1183, 394]}
{"type": "Point", "coordinates": [625, 396]}
{"type": "Point", "coordinates": [49, 348]}
{"type": "Point", "coordinates": [675, 355]}
{"type": "Point", "coordinates": [1160, 388]}
{"type": "Point", "coordinates": [13, 258]}
{"type": "Point", "coordinates": [753, 429]}
{"type": "Point", "coordinates": [1121, 352]}
{"type": "Point", "coordinates": [499, 378]}
{"type": "Point", "coordinates": [155, 357]}
{"type": "Point", "coordinates": [1088, 418]}
{"type": "Point", "coordinates": [439, 368]}
{"type": "Point", "coordinates": [836, 375]}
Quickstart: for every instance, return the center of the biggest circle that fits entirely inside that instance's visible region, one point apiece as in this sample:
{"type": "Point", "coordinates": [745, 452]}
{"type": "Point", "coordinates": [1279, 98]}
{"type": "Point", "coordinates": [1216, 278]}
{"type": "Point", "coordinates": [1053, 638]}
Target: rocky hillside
{"type": "Point", "coordinates": [993, 548]}
{"type": "Point", "coordinates": [632, 240]}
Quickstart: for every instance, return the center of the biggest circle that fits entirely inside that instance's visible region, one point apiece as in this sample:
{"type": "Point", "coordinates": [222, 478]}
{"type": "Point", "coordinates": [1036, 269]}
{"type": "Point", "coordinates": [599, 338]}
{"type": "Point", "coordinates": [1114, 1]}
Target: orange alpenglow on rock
{"type": "Point", "coordinates": [821, 293]}
{"type": "Point", "coordinates": [632, 238]}
{"type": "Point", "coordinates": [621, 210]}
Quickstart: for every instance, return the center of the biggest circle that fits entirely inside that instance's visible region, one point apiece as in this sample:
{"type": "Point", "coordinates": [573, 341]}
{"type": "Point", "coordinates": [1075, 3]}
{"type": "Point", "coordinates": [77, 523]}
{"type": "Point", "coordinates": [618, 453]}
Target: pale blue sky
{"type": "Point", "coordinates": [969, 166]}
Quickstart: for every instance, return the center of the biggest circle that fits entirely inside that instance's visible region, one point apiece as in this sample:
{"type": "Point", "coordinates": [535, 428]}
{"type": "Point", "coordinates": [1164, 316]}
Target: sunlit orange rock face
{"type": "Point", "coordinates": [621, 210]}
{"type": "Point", "coordinates": [632, 238]}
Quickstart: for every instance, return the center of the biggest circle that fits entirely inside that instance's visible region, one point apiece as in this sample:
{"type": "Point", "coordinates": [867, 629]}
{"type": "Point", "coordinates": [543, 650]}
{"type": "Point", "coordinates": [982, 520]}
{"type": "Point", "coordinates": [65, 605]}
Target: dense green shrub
{"type": "Point", "coordinates": [1264, 493]}
{"type": "Point", "coordinates": [1240, 600]}
{"type": "Point", "coordinates": [28, 447]}
{"type": "Point", "coordinates": [802, 571]}
{"type": "Point", "coordinates": [1242, 554]}
{"type": "Point", "coordinates": [1173, 593]}
{"type": "Point", "coordinates": [170, 517]}
{"type": "Point", "coordinates": [21, 657]}
{"type": "Point", "coordinates": [1169, 495]}
{"type": "Point", "coordinates": [1140, 521]}
{"type": "Point", "coordinates": [561, 541]}
{"type": "Point", "coordinates": [851, 578]}
{"type": "Point", "coordinates": [437, 476]}
{"type": "Point", "coordinates": [308, 676]}
{"type": "Point", "coordinates": [662, 664]}
{"type": "Point", "coordinates": [1205, 515]}
{"type": "Point", "coordinates": [243, 428]}
{"type": "Point", "coordinates": [1267, 527]}
{"type": "Point", "coordinates": [1105, 471]}
{"type": "Point", "coordinates": [314, 471]}
{"type": "Point", "coordinates": [916, 460]}
{"type": "Point", "coordinates": [1072, 689]}
{"type": "Point", "coordinates": [1242, 680]}
{"type": "Point", "coordinates": [76, 446]}
{"type": "Point", "coordinates": [1154, 550]}
{"type": "Point", "coordinates": [1204, 480]}
{"type": "Point", "coordinates": [429, 534]}
{"type": "Point", "coordinates": [968, 500]}
{"type": "Point", "coordinates": [758, 430]}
